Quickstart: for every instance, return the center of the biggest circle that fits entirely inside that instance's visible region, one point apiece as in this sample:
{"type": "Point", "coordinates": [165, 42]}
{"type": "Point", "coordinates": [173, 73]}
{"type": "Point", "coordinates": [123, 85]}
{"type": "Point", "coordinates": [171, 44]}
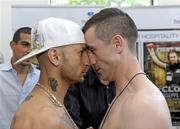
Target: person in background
{"type": "Point", "coordinates": [111, 37]}
{"type": "Point", "coordinates": [88, 101]}
{"type": "Point", "coordinates": [1, 58]}
{"type": "Point", "coordinates": [172, 67]}
{"type": "Point", "coordinates": [17, 81]}
{"type": "Point", "coordinates": [60, 48]}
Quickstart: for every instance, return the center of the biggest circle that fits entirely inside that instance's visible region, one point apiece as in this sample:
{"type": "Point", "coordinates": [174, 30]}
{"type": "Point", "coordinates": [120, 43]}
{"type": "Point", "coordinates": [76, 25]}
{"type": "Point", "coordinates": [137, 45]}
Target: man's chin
{"type": "Point", "coordinates": [25, 63]}
{"type": "Point", "coordinates": [81, 79]}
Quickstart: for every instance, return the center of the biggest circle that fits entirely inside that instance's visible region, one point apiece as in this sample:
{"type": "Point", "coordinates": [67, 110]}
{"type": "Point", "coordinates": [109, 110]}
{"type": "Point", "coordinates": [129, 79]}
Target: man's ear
{"type": "Point", "coordinates": [54, 56]}
{"type": "Point", "coordinates": [12, 43]}
{"type": "Point", "coordinates": [118, 43]}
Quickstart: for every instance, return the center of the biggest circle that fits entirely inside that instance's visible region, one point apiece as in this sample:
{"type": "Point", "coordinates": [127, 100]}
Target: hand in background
{"type": "Point", "coordinates": [151, 45]}
{"type": "Point", "coordinates": [150, 48]}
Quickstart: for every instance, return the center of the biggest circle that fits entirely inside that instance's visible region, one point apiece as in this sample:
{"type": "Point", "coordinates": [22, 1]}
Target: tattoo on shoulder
{"type": "Point", "coordinates": [28, 98]}
{"type": "Point", "coordinates": [53, 83]}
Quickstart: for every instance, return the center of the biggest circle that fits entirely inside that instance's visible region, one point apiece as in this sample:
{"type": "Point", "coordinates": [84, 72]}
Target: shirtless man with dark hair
{"type": "Point", "coordinates": [111, 39]}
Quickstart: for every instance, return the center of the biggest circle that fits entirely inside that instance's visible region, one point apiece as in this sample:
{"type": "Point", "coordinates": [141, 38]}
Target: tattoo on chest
{"type": "Point", "coordinates": [53, 83]}
{"type": "Point", "coordinates": [66, 121]}
{"type": "Point", "coordinates": [28, 98]}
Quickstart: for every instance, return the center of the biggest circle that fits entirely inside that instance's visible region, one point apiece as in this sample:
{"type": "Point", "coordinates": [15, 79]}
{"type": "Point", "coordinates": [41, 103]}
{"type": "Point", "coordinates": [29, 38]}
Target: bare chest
{"type": "Point", "coordinates": [113, 117]}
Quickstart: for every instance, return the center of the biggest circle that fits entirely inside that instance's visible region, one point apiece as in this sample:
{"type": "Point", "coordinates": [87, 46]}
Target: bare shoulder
{"type": "Point", "coordinates": [37, 112]}
{"type": "Point", "coordinates": [55, 118]}
{"type": "Point", "coordinates": [147, 109]}
{"type": "Point", "coordinates": [46, 117]}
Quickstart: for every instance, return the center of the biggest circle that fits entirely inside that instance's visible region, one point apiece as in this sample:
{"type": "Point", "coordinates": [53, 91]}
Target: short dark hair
{"type": "Point", "coordinates": [16, 37]}
{"type": "Point", "coordinates": [111, 21]}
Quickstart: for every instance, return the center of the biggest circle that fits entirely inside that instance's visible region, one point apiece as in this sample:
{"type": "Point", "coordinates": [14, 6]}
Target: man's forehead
{"type": "Point", "coordinates": [173, 54]}
{"type": "Point", "coordinates": [24, 37]}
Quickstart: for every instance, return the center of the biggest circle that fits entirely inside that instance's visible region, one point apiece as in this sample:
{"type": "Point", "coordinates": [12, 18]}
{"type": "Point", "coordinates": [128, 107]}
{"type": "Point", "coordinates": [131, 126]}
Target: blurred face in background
{"type": "Point", "coordinates": [173, 58]}
{"type": "Point", "coordinates": [21, 48]}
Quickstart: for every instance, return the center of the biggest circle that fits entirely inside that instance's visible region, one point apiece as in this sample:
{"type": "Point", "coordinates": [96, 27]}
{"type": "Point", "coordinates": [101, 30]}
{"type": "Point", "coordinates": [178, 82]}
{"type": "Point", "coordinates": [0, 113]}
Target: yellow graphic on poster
{"type": "Point", "coordinates": [161, 63]}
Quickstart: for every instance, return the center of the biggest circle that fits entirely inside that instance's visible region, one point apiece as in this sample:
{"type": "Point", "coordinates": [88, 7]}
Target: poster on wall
{"type": "Point", "coordinates": [161, 62]}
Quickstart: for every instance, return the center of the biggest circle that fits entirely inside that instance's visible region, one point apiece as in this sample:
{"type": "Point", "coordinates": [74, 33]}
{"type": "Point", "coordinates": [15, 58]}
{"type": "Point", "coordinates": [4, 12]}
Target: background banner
{"type": "Point", "coordinates": [159, 68]}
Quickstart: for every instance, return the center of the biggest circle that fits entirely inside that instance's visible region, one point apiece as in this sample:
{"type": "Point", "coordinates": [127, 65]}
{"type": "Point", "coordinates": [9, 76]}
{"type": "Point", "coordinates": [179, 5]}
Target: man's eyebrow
{"type": "Point", "coordinates": [25, 42]}
{"type": "Point", "coordinates": [84, 48]}
{"type": "Point", "coordinates": [88, 47]}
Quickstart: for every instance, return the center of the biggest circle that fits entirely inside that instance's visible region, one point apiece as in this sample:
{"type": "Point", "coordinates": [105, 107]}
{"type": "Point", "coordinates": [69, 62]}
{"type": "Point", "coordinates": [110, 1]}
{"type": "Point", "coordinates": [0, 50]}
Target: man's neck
{"type": "Point", "coordinates": [124, 74]}
{"type": "Point", "coordinates": [61, 91]}
{"type": "Point", "coordinates": [21, 71]}
{"type": "Point", "coordinates": [58, 89]}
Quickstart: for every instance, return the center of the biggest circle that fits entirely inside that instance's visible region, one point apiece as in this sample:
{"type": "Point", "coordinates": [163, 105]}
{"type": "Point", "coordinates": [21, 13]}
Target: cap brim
{"type": "Point", "coordinates": [38, 51]}
{"type": "Point", "coordinates": [30, 55]}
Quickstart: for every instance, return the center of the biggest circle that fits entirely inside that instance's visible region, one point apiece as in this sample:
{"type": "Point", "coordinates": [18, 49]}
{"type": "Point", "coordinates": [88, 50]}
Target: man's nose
{"type": "Point", "coordinates": [85, 59]}
{"type": "Point", "coordinates": [92, 58]}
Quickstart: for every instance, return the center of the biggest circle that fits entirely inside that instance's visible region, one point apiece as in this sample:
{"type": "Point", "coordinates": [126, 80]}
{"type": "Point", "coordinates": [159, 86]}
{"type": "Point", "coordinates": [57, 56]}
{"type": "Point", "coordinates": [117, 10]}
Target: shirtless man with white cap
{"type": "Point", "coordinates": [59, 46]}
